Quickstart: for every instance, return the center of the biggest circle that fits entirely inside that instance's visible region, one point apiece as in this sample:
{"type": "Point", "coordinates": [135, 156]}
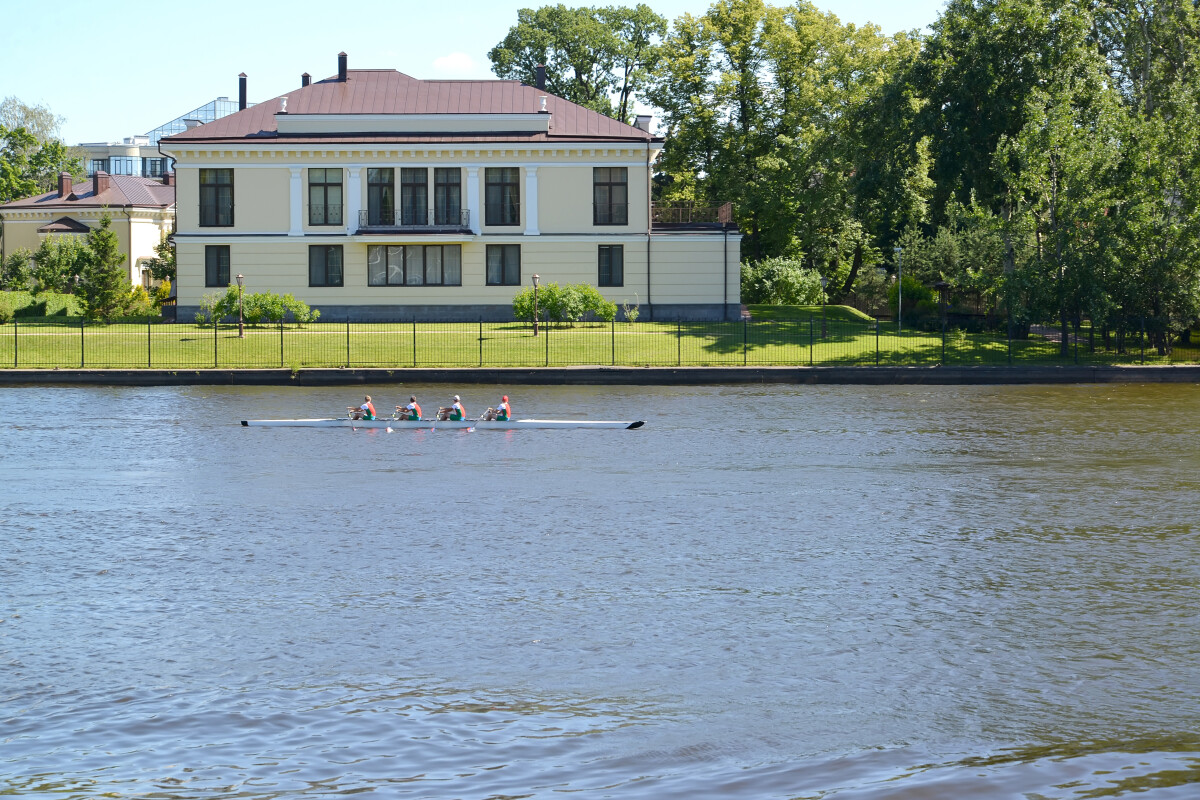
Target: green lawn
{"type": "Point", "coordinates": [795, 336]}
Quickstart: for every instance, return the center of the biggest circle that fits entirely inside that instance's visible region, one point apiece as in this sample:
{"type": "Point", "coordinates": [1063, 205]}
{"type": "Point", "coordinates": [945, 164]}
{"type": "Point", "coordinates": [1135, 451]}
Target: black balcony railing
{"type": "Point", "coordinates": [689, 214]}
{"type": "Point", "coordinates": [413, 219]}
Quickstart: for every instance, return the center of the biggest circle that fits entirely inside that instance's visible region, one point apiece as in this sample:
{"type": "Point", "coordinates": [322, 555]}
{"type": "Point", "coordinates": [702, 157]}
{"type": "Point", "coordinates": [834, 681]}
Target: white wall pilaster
{"type": "Point", "coordinates": [297, 202]}
{"type": "Point", "coordinates": [353, 199]}
{"type": "Point", "coordinates": [531, 202]}
{"type": "Point", "coordinates": [473, 208]}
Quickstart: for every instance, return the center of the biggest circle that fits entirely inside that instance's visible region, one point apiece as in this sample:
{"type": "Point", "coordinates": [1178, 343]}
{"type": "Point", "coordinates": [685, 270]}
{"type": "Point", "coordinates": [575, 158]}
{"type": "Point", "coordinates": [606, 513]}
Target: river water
{"type": "Point", "coordinates": [767, 592]}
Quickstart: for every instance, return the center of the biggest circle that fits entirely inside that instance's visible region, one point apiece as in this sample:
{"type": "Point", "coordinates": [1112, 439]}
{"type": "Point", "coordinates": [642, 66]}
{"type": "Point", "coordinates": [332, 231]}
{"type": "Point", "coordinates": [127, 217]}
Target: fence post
{"type": "Point", "coordinates": [414, 329]}
{"type": "Point", "coordinates": [16, 341]}
{"type": "Point", "coordinates": [943, 342]}
{"type": "Point", "coordinates": [1077, 344]}
{"type": "Point", "coordinates": [810, 341]}
{"type": "Point", "coordinates": [281, 342]}
{"type": "Point", "coordinates": [1009, 335]}
{"type": "Point", "coordinates": [877, 341]}
{"type": "Point", "coordinates": [614, 340]}
{"type": "Point", "coordinates": [214, 340]}
{"type": "Point", "coordinates": [546, 337]}
{"type": "Point", "coordinates": [481, 341]}
{"type": "Point", "coordinates": [1142, 339]}
{"type": "Point", "coordinates": [82, 322]}
{"type": "Point", "coordinates": [678, 343]}
{"type": "Point", "coordinates": [745, 341]}
{"type": "Point", "coordinates": [347, 341]}
{"type": "Point", "coordinates": [149, 355]}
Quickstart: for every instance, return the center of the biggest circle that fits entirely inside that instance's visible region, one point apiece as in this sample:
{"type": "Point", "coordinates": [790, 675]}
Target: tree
{"type": "Point", "coordinates": [38, 121]}
{"type": "Point", "coordinates": [15, 273]}
{"type": "Point", "coordinates": [57, 263]}
{"type": "Point", "coordinates": [162, 266]}
{"type": "Point", "coordinates": [589, 54]}
{"type": "Point", "coordinates": [104, 284]}
{"type": "Point", "coordinates": [28, 167]}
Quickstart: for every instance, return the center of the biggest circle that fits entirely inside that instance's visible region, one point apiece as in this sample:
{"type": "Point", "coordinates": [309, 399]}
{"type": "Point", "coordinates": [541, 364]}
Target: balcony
{"type": "Point", "coordinates": [413, 221]}
{"type": "Point", "coordinates": [692, 217]}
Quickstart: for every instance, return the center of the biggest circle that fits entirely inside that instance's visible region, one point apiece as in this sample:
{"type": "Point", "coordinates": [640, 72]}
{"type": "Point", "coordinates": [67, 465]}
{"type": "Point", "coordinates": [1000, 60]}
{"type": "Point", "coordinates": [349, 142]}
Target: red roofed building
{"type": "Point", "coordinates": [142, 212]}
{"type": "Point", "coordinates": [375, 195]}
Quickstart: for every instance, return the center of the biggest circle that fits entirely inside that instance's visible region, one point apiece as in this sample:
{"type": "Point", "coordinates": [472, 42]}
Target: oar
{"type": "Point", "coordinates": [472, 428]}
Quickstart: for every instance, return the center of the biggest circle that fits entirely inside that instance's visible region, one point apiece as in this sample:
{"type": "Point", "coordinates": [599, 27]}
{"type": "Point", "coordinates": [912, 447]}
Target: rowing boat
{"type": "Point", "coordinates": [396, 424]}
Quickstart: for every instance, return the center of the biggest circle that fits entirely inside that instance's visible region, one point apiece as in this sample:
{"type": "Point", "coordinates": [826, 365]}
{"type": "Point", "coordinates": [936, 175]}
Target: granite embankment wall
{"type": "Point", "coordinates": [867, 376]}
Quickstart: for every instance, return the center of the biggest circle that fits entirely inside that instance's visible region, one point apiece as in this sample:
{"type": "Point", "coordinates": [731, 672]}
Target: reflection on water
{"type": "Point", "coordinates": [908, 592]}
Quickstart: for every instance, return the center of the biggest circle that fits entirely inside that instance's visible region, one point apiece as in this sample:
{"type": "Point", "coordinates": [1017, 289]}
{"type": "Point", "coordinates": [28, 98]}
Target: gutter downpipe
{"type": "Point", "coordinates": [725, 271]}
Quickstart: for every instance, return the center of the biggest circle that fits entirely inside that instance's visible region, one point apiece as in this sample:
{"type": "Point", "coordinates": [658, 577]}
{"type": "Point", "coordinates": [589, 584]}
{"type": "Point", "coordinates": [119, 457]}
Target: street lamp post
{"type": "Point", "coordinates": [241, 279]}
{"type": "Point", "coordinates": [535, 308]}
{"type": "Point", "coordinates": [899, 289]}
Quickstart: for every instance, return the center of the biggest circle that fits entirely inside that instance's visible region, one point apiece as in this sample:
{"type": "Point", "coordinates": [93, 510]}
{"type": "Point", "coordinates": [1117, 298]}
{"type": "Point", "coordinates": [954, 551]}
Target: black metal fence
{"type": "Point", "coordinates": [815, 340]}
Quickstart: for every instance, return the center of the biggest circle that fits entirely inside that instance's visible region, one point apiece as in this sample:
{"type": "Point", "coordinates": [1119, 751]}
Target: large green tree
{"type": "Point", "coordinates": [104, 284]}
{"type": "Point", "coordinates": [594, 56]}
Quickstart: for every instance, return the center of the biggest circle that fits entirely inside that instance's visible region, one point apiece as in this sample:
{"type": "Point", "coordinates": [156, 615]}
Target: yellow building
{"type": "Point", "coordinates": [374, 195]}
{"type": "Point", "coordinates": [142, 212]}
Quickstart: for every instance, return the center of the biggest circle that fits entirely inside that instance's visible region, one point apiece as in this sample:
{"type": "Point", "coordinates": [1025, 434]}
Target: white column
{"type": "Point", "coordinates": [297, 201]}
{"type": "Point", "coordinates": [531, 202]}
{"type": "Point", "coordinates": [352, 201]}
{"type": "Point", "coordinates": [473, 199]}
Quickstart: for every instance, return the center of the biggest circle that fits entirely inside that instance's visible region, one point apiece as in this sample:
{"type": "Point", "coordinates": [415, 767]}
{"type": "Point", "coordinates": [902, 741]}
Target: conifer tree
{"type": "Point", "coordinates": [104, 289]}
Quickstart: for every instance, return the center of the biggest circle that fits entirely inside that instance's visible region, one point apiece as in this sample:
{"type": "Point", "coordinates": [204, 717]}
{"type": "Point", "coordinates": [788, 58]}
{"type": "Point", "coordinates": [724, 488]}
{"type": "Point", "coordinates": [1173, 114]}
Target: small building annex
{"type": "Point", "coordinates": [142, 211]}
{"type": "Point", "coordinates": [372, 195]}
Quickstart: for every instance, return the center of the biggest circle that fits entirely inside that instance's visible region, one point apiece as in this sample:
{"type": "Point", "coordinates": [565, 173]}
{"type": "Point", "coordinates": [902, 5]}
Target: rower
{"type": "Point", "coordinates": [501, 412]}
{"type": "Point", "coordinates": [454, 413]}
{"type": "Point", "coordinates": [410, 412]}
{"type": "Point", "coordinates": [365, 411]}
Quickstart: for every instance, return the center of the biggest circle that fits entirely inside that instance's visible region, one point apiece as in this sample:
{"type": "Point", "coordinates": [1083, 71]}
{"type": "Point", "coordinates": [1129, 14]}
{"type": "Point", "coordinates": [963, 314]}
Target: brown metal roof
{"type": "Point", "coordinates": [64, 225]}
{"type": "Point", "coordinates": [123, 191]}
{"type": "Point", "coordinates": [370, 91]}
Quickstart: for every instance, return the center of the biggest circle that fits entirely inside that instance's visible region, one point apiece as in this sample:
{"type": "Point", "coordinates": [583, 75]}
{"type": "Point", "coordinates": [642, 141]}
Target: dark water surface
{"type": "Point", "coordinates": [768, 592]}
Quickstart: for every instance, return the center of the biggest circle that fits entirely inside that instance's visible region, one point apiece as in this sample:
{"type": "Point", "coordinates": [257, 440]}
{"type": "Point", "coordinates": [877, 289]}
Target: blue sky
{"type": "Point", "coordinates": [116, 71]}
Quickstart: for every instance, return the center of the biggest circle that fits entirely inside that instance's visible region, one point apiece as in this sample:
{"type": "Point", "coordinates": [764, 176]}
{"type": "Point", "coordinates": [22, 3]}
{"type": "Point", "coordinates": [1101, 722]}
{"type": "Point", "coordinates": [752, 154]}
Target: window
{"type": "Point", "coordinates": [610, 196]}
{"type": "Point", "coordinates": [123, 165]}
{"type": "Point", "coordinates": [99, 165]}
{"type": "Point", "coordinates": [381, 196]}
{"type": "Point", "coordinates": [216, 265]}
{"type": "Point", "coordinates": [216, 198]}
{"type": "Point", "coordinates": [152, 167]}
{"type": "Point", "coordinates": [414, 265]}
{"type": "Point", "coordinates": [325, 265]}
{"type": "Point", "coordinates": [612, 265]}
{"type": "Point", "coordinates": [325, 196]}
{"type": "Point", "coordinates": [503, 195]}
{"type": "Point", "coordinates": [504, 265]}
{"type": "Point", "coordinates": [447, 196]}
{"type": "Point", "coordinates": [414, 196]}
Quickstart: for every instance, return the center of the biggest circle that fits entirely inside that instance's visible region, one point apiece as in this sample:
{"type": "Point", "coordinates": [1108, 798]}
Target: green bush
{"type": "Point", "coordinates": [34, 309]}
{"type": "Point", "coordinates": [571, 303]}
{"type": "Point", "coordinates": [781, 281]}
{"type": "Point", "coordinates": [6, 314]}
{"type": "Point", "coordinates": [920, 305]}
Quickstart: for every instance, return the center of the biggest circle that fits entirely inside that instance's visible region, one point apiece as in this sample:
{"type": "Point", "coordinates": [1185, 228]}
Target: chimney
{"type": "Point", "coordinates": [341, 67]}
{"type": "Point", "coordinates": [64, 184]}
{"type": "Point", "coordinates": [642, 122]}
{"type": "Point", "coordinates": [101, 181]}
{"type": "Point", "coordinates": [305, 79]}
{"type": "Point", "coordinates": [241, 91]}
{"type": "Point", "coordinates": [168, 179]}
{"type": "Point", "coordinates": [541, 77]}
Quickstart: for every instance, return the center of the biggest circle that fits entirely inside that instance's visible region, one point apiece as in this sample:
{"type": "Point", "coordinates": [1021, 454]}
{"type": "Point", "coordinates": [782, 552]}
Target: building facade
{"type": "Point", "coordinates": [376, 196]}
{"type": "Point", "coordinates": [142, 211]}
{"type": "Point", "coordinates": [139, 156]}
